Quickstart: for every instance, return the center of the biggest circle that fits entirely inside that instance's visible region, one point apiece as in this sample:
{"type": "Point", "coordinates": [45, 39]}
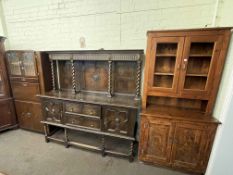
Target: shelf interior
{"type": "Point", "coordinates": [165, 64]}
{"type": "Point", "coordinates": [195, 82]}
{"type": "Point", "coordinates": [166, 48]}
{"type": "Point", "coordinates": [164, 81]}
{"type": "Point", "coordinates": [201, 48]}
{"type": "Point", "coordinates": [198, 65]}
{"type": "Point", "coordinates": [194, 104]}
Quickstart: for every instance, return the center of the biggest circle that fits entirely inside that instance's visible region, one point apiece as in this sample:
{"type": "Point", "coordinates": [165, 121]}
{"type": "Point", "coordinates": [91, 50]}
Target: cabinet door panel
{"type": "Point", "coordinates": [7, 117]}
{"type": "Point", "coordinates": [164, 64]}
{"type": "Point", "coordinates": [25, 90]}
{"type": "Point", "coordinates": [29, 64]}
{"type": "Point", "coordinates": [119, 120]}
{"type": "Point", "coordinates": [52, 111]}
{"type": "Point", "coordinates": [188, 146]}
{"type": "Point", "coordinates": [29, 115]}
{"type": "Point", "coordinates": [14, 63]}
{"type": "Point", "coordinates": [198, 64]}
{"type": "Point", "coordinates": [155, 141]}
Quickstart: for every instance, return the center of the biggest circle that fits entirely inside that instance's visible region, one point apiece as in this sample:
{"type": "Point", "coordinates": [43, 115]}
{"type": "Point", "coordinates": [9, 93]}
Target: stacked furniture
{"type": "Point", "coordinates": [7, 111]}
{"type": "Point", "coordinates": [94, 100]}
{"type": "Point", "coordinates": [25, 69]}
{"type": "Point", "coordinates": [182, 74]}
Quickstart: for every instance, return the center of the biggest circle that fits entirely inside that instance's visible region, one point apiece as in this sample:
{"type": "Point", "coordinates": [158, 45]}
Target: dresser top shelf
{"type": "Point", "coordinates": [170, 112]}
{"type": "Point", "coordinates": [94, 98]}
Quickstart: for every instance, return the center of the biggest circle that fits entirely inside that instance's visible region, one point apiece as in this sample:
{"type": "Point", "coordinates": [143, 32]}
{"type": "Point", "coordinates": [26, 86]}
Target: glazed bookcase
{"type": "Point", "coordinates": [182, 74]}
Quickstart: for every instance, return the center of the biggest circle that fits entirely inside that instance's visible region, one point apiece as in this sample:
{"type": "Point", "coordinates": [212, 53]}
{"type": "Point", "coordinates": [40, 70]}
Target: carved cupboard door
{"type": "Point", "coordinates": [155, 140]}
{"type": "Point", "coordinates": [188, 146]}
{"type": "Point", "coordinates": [52, 111]}
{"type": "Point", "coordinates": [118, 120]}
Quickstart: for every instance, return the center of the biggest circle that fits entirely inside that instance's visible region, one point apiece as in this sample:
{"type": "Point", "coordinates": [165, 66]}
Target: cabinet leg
{"type": "Point", "coordinates": [131, 152]}
{"type": "Point", "coordinates": [46, 133]}
{"type": "Point", "coordinates": [103, 147]}
{"type": "Point", "coordinates": [131, 158]}
{"type": "Point", "coordinates": [46, 140]}
{"type": "Point", "coordinates": [66, 139]}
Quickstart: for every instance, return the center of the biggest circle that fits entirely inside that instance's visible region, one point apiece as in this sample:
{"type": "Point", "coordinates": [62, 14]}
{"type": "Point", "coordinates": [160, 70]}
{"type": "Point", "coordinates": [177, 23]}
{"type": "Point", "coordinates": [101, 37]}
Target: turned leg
{"type": "Point", "coordinates": [46, 133]}
{"type": "Point", "coordinates": [131, 152]}
{"type": "Point", "coordinates": [66, 138]}
{"type": "Point", "coordinates": [103, 147]}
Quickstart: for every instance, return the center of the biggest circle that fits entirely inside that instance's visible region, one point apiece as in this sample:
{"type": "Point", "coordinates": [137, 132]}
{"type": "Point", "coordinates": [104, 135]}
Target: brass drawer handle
{"type": "Point", "coordinates": [25, 84]}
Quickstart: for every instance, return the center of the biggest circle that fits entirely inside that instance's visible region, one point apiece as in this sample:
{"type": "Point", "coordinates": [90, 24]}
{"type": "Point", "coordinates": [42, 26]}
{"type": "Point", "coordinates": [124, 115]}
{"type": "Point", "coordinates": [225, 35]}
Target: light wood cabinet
{"type": "Point", "coordinates": [182, 74]}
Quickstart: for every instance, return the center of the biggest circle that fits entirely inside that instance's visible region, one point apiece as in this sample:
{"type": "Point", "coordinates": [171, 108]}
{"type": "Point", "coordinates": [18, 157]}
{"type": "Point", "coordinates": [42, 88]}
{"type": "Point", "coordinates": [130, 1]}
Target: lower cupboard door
{"type": "Point", "coordinates": [29, 115]}
{"type": "Point", "coordinates": [188, 146]}
{"type": "Point", "coordinates": [155, 141]}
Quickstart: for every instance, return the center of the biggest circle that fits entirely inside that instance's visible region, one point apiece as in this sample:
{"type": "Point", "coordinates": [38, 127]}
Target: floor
{"type": "Point", "coordinates": [26, 153]}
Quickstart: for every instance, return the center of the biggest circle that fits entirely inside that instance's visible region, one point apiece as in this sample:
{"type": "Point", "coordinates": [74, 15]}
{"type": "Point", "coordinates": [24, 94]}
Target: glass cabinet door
{"type": "Point", "coordinates": [165, 63]}
{"type": "Point", "coordinates": [14, 63]}
{"type": "Point", "coordinates": [29, 68]}
{"type": "Point", "coordinates": [199, 58]}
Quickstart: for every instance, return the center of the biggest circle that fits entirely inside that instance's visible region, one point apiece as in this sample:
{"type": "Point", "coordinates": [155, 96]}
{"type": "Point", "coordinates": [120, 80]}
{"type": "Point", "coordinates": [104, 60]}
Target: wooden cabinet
{"type": "Point", "coordinates": [7, 117]}
{"type": "Point", "coordinates": [95, 100]}
{"type": "Point", "coordinates": [26, 70]}
{"type": "Point", "coordinates": [176, 143]}
{"type": "Point", "coordinates": [182, 74]}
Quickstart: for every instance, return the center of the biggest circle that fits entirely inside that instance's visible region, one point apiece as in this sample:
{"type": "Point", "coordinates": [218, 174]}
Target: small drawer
{"type": "Point", "coordinates": [73, 107]}
{"type": "Point", "coordinates": [25, 91]}
{"type": "Point", "coordinates": [80, 108]}
{"type": "Point", "coordinates": [82, 121]}
{"type": "Point", "coordinates": [93, 110]}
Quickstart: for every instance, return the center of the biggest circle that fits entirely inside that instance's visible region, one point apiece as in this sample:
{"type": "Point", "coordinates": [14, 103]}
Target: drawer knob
{"type": "Point", "coordinates": [92, 125]}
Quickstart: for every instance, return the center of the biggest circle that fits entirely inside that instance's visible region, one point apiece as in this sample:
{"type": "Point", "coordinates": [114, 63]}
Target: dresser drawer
{"type": "Point", "coordinates": [77, 120]}
{"type": "Point", "coordinates": [80, 108]}
{"type": "Point", "coordinates": [25, 91]}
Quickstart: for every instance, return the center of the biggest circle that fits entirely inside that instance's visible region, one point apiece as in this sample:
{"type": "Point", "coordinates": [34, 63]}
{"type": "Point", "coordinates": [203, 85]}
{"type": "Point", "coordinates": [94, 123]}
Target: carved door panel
{"type": "Point", "coordinates": [7, 117]}
{"type": "Point", "coordinates": [188, 146]}
{"type": "Point", "coordinates": [116, 120]}
{"type": "Point", "coordinates": [156, 140]}
{"type": "Point", "coordinates": [52, 111]}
